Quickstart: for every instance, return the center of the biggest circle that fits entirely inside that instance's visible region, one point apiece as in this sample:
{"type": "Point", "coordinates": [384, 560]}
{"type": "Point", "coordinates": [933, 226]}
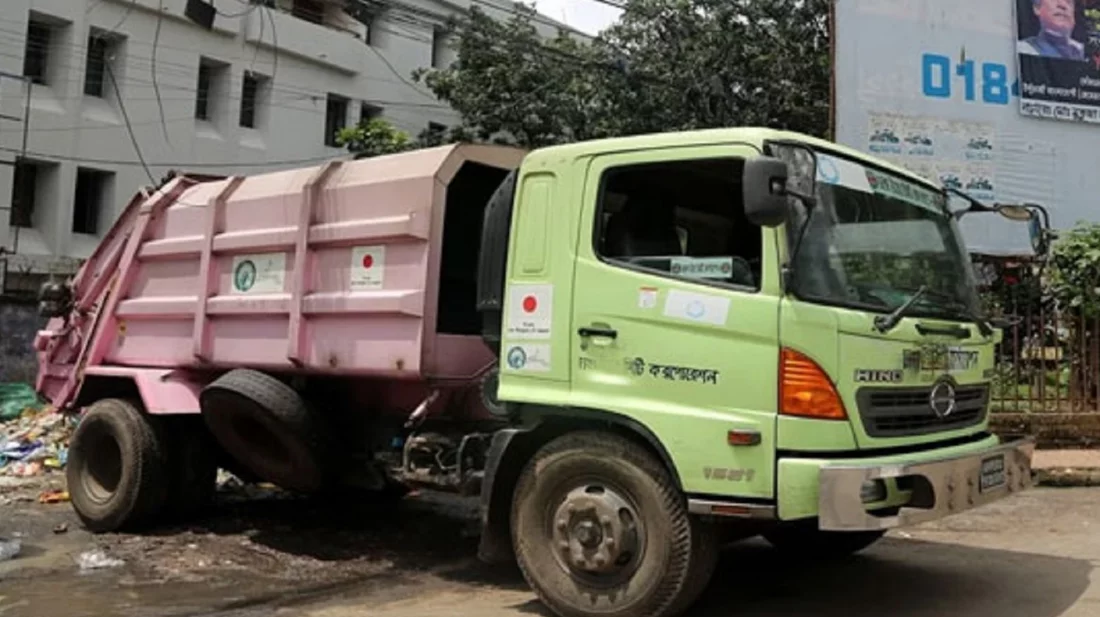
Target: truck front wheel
{"type": "Point", "coordinates": [600, 529]}
{"type": "Point", "coordinates": [804, 539]}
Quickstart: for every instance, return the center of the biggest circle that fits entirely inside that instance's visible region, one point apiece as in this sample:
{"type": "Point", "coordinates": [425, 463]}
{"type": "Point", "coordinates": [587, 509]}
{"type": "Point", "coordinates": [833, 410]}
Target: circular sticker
{"type": "Point", "coordinates": [530, 303]}
{"type": "Point", "coordinates": [244, 277]}
{"type": "Point", "coordinates": [696, 310]}
{"type": "Point", "coordinates": [517, 358]}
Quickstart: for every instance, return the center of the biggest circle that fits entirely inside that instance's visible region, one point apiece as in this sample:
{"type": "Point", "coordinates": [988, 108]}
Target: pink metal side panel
{"type": "Point", "coordinates": [162, 391]}
{"type": "Point", "coordinates": [390, 345]}
{"type": "Point", "coordinates": [157, 279]}
{"type": "Point", "coordinates": [152, 343]}
{"type": "Point", "coordinates": [249, 340]}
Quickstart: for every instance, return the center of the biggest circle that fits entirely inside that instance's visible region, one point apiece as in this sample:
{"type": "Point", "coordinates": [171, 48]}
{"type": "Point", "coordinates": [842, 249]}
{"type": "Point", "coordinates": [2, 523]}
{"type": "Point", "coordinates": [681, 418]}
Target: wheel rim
{"type": "Point", "coordinates": [596, 534]}
{"type": "Point", "coordinates": [102, 471]}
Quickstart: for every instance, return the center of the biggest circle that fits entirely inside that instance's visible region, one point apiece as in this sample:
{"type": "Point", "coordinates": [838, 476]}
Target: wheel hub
{"type": "Point", "coordinates": [596, 531]}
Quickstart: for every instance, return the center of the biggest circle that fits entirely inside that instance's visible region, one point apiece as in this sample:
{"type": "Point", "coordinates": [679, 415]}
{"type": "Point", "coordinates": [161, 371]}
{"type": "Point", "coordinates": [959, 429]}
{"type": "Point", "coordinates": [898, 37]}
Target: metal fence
{"type": "Point", "coordinates": [1049, 358]}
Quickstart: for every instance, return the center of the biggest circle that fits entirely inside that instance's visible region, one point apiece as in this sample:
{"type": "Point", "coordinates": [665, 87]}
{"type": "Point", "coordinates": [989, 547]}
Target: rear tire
{"type": "Point", "coordinates": [268, 428]}
{"type": "Point", "coordinates": [658, 559]}
{"type": "Point", "coordinates": [115, 471]}
{"type": "Point", "coordinates": [805, 540]}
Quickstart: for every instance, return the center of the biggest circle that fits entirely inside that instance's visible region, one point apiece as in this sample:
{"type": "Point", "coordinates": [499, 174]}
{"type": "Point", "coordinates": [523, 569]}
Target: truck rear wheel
{"type": "Point", "coordinates": [804, 539]}
{"type": "Point", "coordinates": [268, 428]}
{"type": "Point", "coordinates": [599, 529]}
{"type": "Point", "coordinates": [115, 472]}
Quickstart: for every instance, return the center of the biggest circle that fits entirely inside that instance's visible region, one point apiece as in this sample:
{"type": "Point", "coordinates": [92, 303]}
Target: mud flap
{"type": "Point", "coordinates": [496, 495]}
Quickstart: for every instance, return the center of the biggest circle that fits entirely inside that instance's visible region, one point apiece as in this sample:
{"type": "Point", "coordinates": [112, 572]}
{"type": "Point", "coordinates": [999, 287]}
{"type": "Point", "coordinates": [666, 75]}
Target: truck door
{"type": "Point", "coordinates": [675, 312]}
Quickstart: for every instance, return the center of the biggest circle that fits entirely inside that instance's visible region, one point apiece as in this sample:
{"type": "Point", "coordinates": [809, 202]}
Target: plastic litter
{"type": "Point", "coordinates": [53, 496]}
{"type": "Point", "coordinates": [34, 442]}
{"type": "Point", "coordinates": [16, 398]}
{"type": "Point", "coordinates": [96, 560]}
{"type": "Point", "coordinates": [10, 549]}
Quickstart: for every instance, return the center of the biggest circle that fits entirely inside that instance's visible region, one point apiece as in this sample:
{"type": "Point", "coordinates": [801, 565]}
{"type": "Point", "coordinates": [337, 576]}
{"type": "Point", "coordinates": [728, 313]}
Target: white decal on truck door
{"type": "Point", "coordinates": [368, 267]}
{"type": "Point", "coordinates": [259, 274]}
{"type": "Point", "coordinates": [691, 306]}
{"type": "Point", "coordinates": [530, 311]}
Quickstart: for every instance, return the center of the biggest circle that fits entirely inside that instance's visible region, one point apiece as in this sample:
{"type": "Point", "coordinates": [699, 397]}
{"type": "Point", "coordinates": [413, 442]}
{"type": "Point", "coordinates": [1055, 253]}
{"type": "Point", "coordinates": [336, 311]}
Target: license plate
{"type": "Point", "coordinates": [993, 473]}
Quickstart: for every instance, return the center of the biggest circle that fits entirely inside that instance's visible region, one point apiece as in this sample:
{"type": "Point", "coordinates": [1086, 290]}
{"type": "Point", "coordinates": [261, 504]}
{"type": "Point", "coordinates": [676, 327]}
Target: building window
{"type": "Point", "coordinates": [92, 194]}
{"type": "Point", "coordinates": [439, 46]}
{"type": "Point", "coordinates": [252, 89]}
{"type": "Point", "coordinates": [101, 51]}
{"type": "Point", "coordinates": [336, 118]}
{"type": "Point", "coordinates": [208, 90]}
{"type": "Point", "coordinates": [683, 220]}
{"type": "Point", "coordinates": [368, 112]}
{"type": "Point", "coordinates": [202, 91]}
{"type": "Point", "coordinates": [37, 52]}
{"type": "Point", "coordinates": [309, 10]}
{"type": "Point", "coordinates": [24, 192]}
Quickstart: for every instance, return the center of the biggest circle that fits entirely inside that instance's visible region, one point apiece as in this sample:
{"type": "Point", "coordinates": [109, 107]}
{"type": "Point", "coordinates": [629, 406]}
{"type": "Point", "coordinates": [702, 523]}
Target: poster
{"type": "Point", "coordinates": [1058, 51]}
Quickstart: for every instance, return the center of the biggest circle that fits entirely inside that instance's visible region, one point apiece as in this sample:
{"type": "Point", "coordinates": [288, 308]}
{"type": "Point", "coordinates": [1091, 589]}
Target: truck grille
{"type": "Point", "coordinates": [898, 412]}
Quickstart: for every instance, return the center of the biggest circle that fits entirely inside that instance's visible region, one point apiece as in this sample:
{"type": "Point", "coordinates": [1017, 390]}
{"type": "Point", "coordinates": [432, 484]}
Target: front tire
{"type": "Point", "coordinates": [115, 472]}
{"type": "Point", "coordinates": [600, 529]}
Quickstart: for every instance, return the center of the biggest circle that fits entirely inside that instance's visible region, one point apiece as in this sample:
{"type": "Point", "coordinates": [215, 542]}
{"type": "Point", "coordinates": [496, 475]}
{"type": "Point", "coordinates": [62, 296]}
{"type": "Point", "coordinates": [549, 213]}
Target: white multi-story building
{"type": "Point", "coordinates": [89, 89]}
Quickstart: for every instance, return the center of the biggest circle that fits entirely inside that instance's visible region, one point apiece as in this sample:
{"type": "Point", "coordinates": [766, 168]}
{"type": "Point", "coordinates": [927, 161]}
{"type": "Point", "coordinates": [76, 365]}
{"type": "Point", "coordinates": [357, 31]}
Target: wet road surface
{"type": "Point", "coordinates": [1030, 556]}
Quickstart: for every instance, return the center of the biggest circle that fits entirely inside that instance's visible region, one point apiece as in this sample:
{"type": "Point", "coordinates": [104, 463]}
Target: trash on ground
{"type": "Point", "coordinates": [54, 496]}
{"type": "Point", "coordinates": [95, 560]}
{"type": "Point", "coordinates": [17, 398]}
{"type": "Point", "coordinates": [34, 440]}
{"type": "Point", "coordinates": [10, 549]}
{"type": "Point", "coordinates": [61, 528]}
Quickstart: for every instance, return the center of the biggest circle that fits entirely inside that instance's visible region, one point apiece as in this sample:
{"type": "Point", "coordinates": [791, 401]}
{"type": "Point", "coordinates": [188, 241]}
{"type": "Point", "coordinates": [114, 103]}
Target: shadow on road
{"type": "Point", "coordinates": [899, 578]}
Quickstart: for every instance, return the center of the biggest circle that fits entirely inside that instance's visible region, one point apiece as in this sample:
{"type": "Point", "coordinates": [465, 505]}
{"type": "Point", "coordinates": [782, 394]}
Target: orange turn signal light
{"type": "Point", "coordinates": [805, 390]}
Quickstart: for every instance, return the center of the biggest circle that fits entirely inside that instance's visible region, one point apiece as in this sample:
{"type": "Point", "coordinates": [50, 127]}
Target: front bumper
{"type": "Point", "coordinates": [941, 487]}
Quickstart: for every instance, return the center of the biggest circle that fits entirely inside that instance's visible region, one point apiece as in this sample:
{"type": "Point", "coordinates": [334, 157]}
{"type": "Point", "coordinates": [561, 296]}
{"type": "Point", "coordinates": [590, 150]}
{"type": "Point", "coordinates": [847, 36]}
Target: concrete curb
{"type": "Point", "coordinates": [1067, 476]}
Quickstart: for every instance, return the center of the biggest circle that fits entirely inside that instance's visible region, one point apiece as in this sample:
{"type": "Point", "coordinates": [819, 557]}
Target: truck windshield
{"type": "Point", "coordinates": [874, 239]}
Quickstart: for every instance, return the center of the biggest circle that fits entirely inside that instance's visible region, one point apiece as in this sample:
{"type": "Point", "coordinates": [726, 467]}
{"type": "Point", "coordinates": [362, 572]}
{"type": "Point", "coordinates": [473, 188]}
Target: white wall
{"type": "Point", "coordinates": [73, 130]}
{"type": "Point", "coordinates": [883, 50]}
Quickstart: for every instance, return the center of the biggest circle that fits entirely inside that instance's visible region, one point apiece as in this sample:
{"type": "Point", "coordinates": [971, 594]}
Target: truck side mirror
{"type": "Point", "coordinates": [764, 188]}
{"type": "Point", "coordinates": [1037, 219]}
{"type": "Point", "coordinates": [1040, 238]}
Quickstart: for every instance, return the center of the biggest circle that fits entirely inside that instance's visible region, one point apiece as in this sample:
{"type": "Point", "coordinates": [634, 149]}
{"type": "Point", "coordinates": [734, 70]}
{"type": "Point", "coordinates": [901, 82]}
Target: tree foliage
{"type": "Point", "coordinates": [1075, 269]}
{"type": "Point", "coordinates": [666, 65]}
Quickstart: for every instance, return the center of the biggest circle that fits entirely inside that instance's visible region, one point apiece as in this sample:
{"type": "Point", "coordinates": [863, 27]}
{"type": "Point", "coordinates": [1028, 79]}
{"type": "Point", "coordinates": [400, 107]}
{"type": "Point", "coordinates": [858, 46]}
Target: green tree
{"type": "Point", "coordinates": [667, 65]}
{"type": "Point", "coordinates": [374, 137]}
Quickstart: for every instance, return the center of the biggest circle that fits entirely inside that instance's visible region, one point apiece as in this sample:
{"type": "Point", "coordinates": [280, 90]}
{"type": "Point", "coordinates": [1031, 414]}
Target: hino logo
{"type": "Point", "coordinates": [942, 399]}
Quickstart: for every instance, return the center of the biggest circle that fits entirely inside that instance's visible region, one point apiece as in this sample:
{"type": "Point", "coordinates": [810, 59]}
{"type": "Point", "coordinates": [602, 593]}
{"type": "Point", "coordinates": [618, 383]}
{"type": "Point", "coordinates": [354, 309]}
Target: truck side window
{"type": "Point", "coordinates": [680, 218]}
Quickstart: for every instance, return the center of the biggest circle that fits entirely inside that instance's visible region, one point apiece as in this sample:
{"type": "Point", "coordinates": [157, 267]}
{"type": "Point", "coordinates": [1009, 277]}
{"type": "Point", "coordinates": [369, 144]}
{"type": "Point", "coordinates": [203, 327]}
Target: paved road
{"type": "Point", "coordinates": [1030, 556]}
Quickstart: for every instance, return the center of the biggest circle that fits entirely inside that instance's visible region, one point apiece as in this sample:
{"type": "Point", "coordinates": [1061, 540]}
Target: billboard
{"type": "Point", "coordinates": [933, 86]}
{"type": "Point", "coordinates": [1058, 48]}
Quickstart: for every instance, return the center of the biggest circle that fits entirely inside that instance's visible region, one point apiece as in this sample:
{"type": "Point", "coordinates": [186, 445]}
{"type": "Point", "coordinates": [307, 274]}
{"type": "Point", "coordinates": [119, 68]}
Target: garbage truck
{"type": "Point", "coordinates": [630, 350]}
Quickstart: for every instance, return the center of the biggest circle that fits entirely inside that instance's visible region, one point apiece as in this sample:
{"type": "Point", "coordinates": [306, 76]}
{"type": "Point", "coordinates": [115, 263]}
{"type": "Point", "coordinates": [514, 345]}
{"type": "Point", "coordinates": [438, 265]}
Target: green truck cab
{"type": "Point", "coordinates": [736, 331]}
